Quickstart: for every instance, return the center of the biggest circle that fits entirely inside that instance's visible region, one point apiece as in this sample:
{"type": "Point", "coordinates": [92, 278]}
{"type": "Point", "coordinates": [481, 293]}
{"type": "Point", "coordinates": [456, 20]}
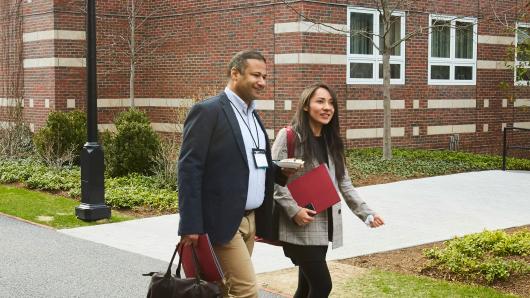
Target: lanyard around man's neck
{"type": "Point", "coordinates": [248, 126]}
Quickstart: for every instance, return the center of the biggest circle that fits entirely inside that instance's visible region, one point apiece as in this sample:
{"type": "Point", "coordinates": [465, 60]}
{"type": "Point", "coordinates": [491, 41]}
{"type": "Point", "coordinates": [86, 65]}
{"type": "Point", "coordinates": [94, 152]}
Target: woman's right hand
{"type": "Point", "coordinates": [304, 216]}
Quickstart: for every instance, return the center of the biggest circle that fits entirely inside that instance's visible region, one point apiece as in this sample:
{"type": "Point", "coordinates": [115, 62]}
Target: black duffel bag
{"type": "Point", "coordinates": [167, 285]}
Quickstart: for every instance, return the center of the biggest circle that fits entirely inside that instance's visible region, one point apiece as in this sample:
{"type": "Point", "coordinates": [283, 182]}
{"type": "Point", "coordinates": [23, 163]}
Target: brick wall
{"type": "Point", "coordinates": [191, 42]}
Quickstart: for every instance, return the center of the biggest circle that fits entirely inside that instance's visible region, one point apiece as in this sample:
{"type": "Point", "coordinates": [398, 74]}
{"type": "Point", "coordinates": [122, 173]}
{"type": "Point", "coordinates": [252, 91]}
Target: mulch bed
{"type": "Point", "coordinates": [412, 261]}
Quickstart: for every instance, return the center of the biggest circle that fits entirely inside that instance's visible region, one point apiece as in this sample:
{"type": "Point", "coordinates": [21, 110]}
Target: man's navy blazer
{"type": "Point", "coordinates": [213, 174]}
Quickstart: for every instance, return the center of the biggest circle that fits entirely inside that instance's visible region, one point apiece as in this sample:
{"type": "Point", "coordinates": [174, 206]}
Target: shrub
{"type": "Point", "coordinates": [130, 191]}
{"type": "Point", "coordinates": [133, 148]}
{"type": "Point", "coordinates": [55, 180]}
{"type": "Point", "coordinates": [411, 163]}
{"type": "Point", "coordinates": [486, 256]}
{"type": "Point", "coordinates": [136, 190]}
{"type": "Point", "coordinates": [61, 139]}
{"type": "Point", "coordinates": [36, 175]}
{"type": "Point", "coordinates": [165, 163]}
{"type": "Point", "coordinates": [16, 140]}
{"type": "Point", "coordinates": [12, 171]}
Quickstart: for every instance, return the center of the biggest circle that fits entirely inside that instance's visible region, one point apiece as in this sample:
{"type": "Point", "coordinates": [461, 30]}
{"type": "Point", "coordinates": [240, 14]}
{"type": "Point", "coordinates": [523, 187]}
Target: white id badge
{"type": "Point", "coordinates": [260, 159]}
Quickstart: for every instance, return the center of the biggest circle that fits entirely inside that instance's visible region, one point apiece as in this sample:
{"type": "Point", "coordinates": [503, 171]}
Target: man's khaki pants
{"type": "Point", "coordinates": [234, 258]}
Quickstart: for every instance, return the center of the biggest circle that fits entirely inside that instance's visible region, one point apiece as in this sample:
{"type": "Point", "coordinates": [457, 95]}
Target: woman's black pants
{"type": "Point", "coordinates": [314, 280]}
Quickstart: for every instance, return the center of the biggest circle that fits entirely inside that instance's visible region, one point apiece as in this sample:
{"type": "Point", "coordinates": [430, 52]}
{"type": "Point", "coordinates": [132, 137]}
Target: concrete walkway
{"type": "Point", "coordinates": [416, 212]}
{"type": "Point", "coordinates": [39, 262]}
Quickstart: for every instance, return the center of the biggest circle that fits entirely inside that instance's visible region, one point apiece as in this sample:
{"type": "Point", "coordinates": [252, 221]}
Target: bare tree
{"type": "Point", "coordinates": [134, 43]}
{"type": "Point", "coordinates": [520, 52]}
{"type": "Point", "coordinates": [11, 69]}
{"type": "Point", "coordinates": [15, 136]}
{"type": "Point", "coordinates": [385, 42]}
{"type": "Point", "coordinates": [386, 14]}
{"type": "Point", "coordinates": [517, 56]}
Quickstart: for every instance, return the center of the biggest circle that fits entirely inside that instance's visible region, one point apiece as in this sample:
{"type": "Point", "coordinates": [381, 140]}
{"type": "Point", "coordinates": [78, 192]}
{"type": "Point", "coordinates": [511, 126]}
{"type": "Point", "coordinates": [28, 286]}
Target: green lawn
{"type": "Point", "coordinates": [390, 284]}
{"type": "Point", "coordinates": [54, 211]}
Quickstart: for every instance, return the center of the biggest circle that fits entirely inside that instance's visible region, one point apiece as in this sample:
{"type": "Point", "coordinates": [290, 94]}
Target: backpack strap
{"type": "Point", "coordinates": [290, 141]}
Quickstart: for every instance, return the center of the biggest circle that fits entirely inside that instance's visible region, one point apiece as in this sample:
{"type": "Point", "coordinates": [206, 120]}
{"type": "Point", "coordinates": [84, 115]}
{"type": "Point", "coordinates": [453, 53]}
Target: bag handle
{"type": "Point", "coordinates": [168, 272]}
{"type": "Point", "coordinates": [290, 141]}
{"type": "Point", "coordinates": [198, 273]}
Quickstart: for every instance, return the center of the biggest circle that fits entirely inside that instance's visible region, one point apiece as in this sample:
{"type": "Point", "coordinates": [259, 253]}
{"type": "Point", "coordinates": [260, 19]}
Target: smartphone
{"type": "Point", "coordinates": [310, 207]}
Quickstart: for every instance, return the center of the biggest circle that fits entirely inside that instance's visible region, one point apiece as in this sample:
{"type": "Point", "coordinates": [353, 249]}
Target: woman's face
{"type": "Point", "coordinates": [320, 108]}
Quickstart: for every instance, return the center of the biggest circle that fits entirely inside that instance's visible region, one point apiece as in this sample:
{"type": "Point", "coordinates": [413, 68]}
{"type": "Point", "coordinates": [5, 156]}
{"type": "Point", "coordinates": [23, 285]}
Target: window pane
{"type": "Point", "coordinates": [361, 70]}
{"type": "Point", "coordinates": [523, 74]}
{"type": "Point", "coordinates": [464, 40]}
{"type": "Point", "coordinates": [439, 72]}
{"type": "Point", "coordinates": [361, 32]}
{"type": "Point", "coordinates": [394, 71]}
{"type": "Point", "coordinates": [523, 44]}
{"type": "Point", "coordinates": [441, 39]}
{"type": "Point", "coordinates": [463, 72]}
{"type": "Point", "coordinates": [394, 32]}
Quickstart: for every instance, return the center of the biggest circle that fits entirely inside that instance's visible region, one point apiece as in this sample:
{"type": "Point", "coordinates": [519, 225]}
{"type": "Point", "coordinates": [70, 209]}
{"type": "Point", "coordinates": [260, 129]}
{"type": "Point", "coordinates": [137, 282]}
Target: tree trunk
{"type": "Point", "coordinates": [387, 132]}
{"type": "Point", "coordinates": [387, 137]}
{"type": "Point", "coordinates": [131, 82]}
{"type": "Point", "coordinates": [132, 45]}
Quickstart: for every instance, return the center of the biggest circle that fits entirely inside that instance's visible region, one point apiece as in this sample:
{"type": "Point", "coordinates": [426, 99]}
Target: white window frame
{"type": "Point", "coordinates": [524, 64]}
{"type": "Point", "coordinates": [375, 58]}
{"type": "Point", "coordinates": [452, 61]}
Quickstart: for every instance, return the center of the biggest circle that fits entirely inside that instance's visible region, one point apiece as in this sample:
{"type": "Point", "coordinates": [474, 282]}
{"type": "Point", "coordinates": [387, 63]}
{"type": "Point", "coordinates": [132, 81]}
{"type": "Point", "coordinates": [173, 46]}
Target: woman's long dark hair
{"type": "Point", "coordinates": [330, 131]}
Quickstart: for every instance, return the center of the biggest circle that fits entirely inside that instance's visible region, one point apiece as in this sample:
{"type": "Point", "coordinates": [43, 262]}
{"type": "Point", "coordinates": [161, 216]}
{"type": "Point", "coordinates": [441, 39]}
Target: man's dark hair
{"type": "Point", "coordinates": [239, 61]}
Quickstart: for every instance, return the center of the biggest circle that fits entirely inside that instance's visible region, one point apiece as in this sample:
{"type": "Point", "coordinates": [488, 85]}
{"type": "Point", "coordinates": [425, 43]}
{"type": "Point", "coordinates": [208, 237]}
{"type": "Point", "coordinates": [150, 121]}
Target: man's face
{"type": "Point", "coordinates": [250, 84]}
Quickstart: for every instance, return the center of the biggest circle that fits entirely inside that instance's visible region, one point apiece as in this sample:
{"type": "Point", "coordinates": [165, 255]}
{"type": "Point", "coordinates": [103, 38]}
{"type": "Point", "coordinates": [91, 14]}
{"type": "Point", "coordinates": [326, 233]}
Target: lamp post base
{"type": "Point", "coordinates": [90, 212]}
{"type": "Point", "coordinates": [92, 205]}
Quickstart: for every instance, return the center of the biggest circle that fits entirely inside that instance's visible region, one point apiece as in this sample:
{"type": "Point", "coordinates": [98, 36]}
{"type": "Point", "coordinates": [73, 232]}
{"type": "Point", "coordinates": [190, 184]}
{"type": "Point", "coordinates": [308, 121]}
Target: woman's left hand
{"type": "Point", "coordinates": [288, 172]}
{"type": "Point", "coordinates": [377, 222]}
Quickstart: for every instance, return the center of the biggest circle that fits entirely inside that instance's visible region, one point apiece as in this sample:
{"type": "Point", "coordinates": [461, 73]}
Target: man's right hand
{"type": "Point", "coordinates": [304, 216]}
{"type": "Point", "coordinates": [191, 239]}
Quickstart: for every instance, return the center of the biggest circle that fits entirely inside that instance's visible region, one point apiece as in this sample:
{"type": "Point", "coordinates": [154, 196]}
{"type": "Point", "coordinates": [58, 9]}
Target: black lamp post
{"type": "Point", "coordinates": [92, 205]}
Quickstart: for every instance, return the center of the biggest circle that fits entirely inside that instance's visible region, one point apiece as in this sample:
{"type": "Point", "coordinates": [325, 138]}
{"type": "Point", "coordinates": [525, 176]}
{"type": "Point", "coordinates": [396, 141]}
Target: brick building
{"type": "Point", "coordinates": [444, 83]}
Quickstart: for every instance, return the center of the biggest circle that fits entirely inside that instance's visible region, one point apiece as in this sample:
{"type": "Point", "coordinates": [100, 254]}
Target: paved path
{"type": "Point", "coordinates": [40, 262]}
{"type": "Point", "coordinates": [416, 212]}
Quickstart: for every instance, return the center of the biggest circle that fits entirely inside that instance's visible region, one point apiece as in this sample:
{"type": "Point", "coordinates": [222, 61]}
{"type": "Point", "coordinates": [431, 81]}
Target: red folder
{"type": "Point", "coordinates": [210, 268]}
{"type": "Point", "coordinates": [314, 190]}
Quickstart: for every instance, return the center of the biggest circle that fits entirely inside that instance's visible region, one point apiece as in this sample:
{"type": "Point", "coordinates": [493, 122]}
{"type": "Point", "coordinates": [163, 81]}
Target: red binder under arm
{"type": "Point", "coordinates": [316, 188]}
{"type": "Point", "coordinates": [210, 268]}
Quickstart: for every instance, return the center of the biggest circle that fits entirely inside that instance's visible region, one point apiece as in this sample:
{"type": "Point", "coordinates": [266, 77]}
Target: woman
{"type": "Point", "coordinates": [304, 233]}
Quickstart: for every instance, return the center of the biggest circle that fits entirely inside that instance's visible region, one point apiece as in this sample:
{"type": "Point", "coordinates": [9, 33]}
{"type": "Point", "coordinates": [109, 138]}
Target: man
{"type": "Point", "coordinates": [226, 174]}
